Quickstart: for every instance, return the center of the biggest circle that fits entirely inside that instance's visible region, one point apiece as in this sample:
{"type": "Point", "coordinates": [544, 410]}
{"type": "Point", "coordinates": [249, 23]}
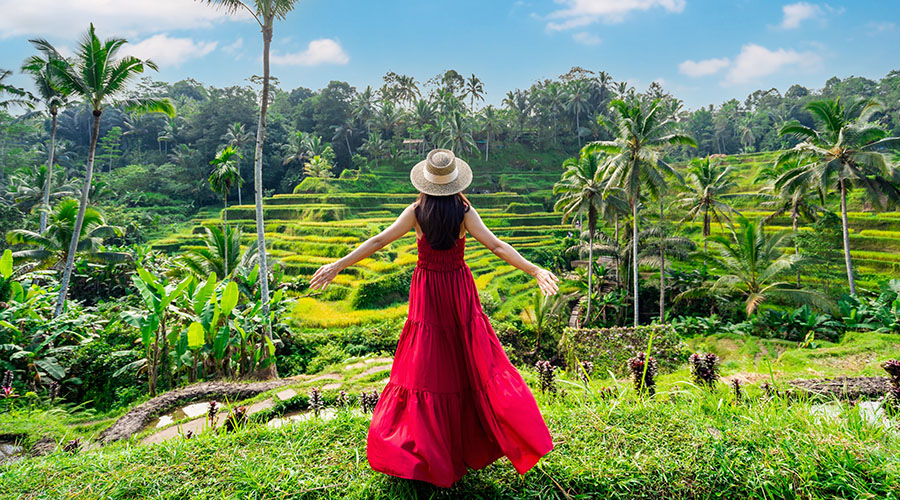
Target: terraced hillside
{"type": "Point", "coordinates": [323, 221]}
{"type": "Point", "coordinates": [306, 230]}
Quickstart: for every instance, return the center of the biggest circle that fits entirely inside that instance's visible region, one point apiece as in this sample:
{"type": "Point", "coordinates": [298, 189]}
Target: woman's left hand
{"type": "Point", "coordinates": [323, 276]}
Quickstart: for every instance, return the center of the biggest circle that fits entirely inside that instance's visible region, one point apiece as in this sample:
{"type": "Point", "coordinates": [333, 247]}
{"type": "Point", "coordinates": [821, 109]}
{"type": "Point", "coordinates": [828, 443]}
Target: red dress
{"type": "Point", "coordinates": [454, 400]}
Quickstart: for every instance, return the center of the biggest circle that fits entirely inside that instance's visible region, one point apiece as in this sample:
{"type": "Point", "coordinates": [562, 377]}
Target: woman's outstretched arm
{"type": "Point", "coordinates": [475, 226]}
{"type": "Point", "coordinates": [401, 226]}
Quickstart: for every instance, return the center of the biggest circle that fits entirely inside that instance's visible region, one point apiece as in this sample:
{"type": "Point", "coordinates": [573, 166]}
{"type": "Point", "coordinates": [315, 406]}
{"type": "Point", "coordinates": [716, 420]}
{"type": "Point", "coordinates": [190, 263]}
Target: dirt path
{"type": "Point", "coordinates": [846, 387]}
{"type": "Point", "coordinates": [139, 416]}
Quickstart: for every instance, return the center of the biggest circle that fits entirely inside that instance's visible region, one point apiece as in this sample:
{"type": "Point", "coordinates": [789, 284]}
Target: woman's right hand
{"type": "Point", "coordinates": [547, 281]}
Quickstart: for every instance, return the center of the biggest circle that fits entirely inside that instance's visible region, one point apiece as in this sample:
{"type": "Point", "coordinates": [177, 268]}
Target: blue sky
{"type": "Point", "coordinates": [703, 51]}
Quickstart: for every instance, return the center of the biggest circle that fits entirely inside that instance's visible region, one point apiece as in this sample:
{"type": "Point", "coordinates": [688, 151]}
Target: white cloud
{"type": "Point", "coordinates": [167, 51]}
{"type": "Point", "coordinates": [129, 18]}
{"type": "Point", "coordinates": [796, 13]}
{"type": "Point", "coordinates": [234, 47]}
{"type": "Point", "coordinates": [585, 38]}
{"type": "Point", "coordinates": [705, 67]}
{"type": "Point", "coordinates": [881, 27]}
{"type": "Point", "coordinates": [578, 13]}
{"type": "Point", "coordinates": [756, 61]}
{"type": "Point", "coordinates": [322, 51]}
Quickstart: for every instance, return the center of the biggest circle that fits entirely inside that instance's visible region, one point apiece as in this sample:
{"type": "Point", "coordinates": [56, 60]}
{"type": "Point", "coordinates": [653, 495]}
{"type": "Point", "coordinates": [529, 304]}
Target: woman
{"type": "Point", "coordinates": [454, 400]}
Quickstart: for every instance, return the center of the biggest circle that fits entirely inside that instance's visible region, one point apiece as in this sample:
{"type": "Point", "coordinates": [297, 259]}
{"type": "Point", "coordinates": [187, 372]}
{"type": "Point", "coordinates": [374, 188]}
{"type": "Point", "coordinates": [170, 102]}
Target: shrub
{"type": "Point", "coordinates": [705, 369]}
{"type": "Point", "coordinates": [316, 403]}
{"type": "Point", "coordinates": [643, 372]}
{"type": "Point", "coordinates": [383, 291]}
{"type": "Point", "coordinates": [547, 374]}
{"type": "Point", "coordinates": [610, 348]}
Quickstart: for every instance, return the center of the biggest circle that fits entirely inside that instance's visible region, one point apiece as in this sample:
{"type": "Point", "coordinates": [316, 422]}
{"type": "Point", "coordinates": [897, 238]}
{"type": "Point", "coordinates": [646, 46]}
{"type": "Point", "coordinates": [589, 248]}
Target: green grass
{"type": "Point", "coordinates": [685, 443]}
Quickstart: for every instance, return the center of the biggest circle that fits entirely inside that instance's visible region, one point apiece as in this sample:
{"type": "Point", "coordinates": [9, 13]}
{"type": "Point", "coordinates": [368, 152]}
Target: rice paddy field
{"type": "Point", "coordinates": [307, 229]}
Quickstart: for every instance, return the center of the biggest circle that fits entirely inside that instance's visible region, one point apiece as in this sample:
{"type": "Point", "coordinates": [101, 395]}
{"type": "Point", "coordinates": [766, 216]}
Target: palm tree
{"type": "Point", "coordinates": [221, 255]}
{"type": "Point", "coordinates": [474, 88]}
{"type": "Point", "coordinates": [374, 146]}
{"type": "Point", "coordinates": [490, 125]}
{"type": "Point", "coordinates": [302, 146]}
{"type": "Point", "coordinates": [225, 176]}
{"type": "Point", "coordinates": [96, 76]}
{"type": "Point", "coordinates": [801, 201]}
{"type": "Point", "coordinates": [265, 12]}
{"type": "Point", "coordinates": [753, 263]}
{"type": "Point", "coordinates": [583, 192]}
{"type": "Point", "coordinates": [345, 132]}
{"type": "Point", "coordinates": [577, 101]}
{"type": "Point", "coordinates": [706, 187]}
{"type": "Point", "coordinates": [50, 94]}
{"type": "Point", "coordinates": [27, 186]}
{"type": "Point", "coordinates": [363, 107]}
{"type": "Point", "coordinates": [11, 95]}
{"type": "Point", "coordinates": [407, 90]}
{"type": "Point", "coordinates": [319, 167]}
{"type": "Point", "coordinates": [845, 152]}
{"type": "Point", "coordinates": [389, 118]}
{"type": "Point", "coordinates": [169, 133]}
{"type": "Point", "coordinates": [53, 245]}
{"type": "Point", "coordinates": [455, 133]}
{"type": "Point", "coordinates": [237, 137]}
{"type": "Point", "coordinates": [641, 129]}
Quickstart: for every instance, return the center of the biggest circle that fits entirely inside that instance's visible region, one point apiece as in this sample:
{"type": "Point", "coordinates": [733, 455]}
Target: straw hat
{"type": "Point", "coordinates": [441, 174]}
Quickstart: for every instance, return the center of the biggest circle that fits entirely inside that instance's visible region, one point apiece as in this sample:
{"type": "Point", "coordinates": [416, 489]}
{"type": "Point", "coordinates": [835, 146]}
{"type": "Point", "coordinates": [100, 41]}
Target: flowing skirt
{"type": "Point", "coordinates": [453, 400]}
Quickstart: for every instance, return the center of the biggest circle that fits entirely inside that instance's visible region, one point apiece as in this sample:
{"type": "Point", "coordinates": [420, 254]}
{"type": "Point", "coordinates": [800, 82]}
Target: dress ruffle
{"type": "Point", "coordinates": [454, 400]}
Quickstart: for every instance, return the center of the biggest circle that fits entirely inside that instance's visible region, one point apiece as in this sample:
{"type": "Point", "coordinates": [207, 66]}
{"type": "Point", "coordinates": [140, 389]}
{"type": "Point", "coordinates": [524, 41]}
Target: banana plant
{"type": "Point", "coordinates": [211, 330]}
{"type": "Point", "coordinates": [39, 360]}
{"type": "Point", "coordinates": [157, 295]}
{"type": "Point", "coordinates": [9, 290]}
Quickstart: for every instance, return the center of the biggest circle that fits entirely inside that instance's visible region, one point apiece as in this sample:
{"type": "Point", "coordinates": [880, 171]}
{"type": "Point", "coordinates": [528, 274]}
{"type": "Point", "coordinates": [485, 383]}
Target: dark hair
{"type": "Point", "coordinates": [440, 218]}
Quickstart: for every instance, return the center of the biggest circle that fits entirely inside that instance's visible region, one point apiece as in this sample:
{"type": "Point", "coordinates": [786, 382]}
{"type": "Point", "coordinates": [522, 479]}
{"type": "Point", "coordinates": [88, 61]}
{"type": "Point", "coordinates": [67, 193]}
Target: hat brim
{"type": "Point", "coordinates": [458, 185]}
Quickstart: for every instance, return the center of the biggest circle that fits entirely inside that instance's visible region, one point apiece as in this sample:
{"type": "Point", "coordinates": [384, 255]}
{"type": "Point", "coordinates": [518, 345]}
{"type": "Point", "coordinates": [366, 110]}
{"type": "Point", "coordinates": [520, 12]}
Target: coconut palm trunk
{"type": "Point", "coordinates": [662, 265]}
{"type": "Point", "coordinates": [79, 220]}
{"type": "Point", "coordinates": [225, 224]}
{"type": "Point", "coordinates": [587, 315]}
{"type": "Point", "coordinates": [846, 235]}
{"type": "Point", "coordinates": [618, 278]}
{"type": "Point", "coordinates": [706, 228]}
{"type": "Point", "coordinates": [45, 205]}
{"type": "Point", "coordinates": [795, 223]}
{"type": "Point", "coordinates": [269, 371]}
{"type": "Point", "coordinates": [634, 253]}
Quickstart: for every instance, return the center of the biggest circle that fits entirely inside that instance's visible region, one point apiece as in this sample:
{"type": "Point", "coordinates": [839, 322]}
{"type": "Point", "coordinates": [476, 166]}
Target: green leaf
{"type": "Point", "coordinates": [176, 293]}
{"type": "Point", "coordinates": [18, 293]}
{"type": "Point", "coordinates": [151, 300]}
{"type": "Point", "coordinates": [271, 346]}
{"type": "Point", "coordinates": [181, 346]}
{"type": "Point", "coordinates": [130, 366]}
{"type": "Point", "coordinates": [6, 264]}
{"type": "Point", "coordinates": [196, 335]}
{"type": "Point", "coordinates": [50, 366]}
{"type": "Point", "coordinates": [10, 326]}
{"type": "Point", "coordinates": [221, 343]}
{"type": "Point", "coordinates": [229, 298]}
{"type": "Point", "coordinates": [203, 293]}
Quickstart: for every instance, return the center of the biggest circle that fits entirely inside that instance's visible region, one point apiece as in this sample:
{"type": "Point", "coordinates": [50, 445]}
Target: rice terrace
{"type": "Point", "coordinates": [561, 249]}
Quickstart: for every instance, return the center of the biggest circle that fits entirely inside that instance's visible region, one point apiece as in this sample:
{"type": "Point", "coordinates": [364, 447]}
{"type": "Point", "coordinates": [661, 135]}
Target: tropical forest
{"type": "Point", "coordinates": [727, 323]}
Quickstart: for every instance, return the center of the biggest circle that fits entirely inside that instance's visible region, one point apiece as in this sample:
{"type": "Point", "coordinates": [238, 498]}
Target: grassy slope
{"type": "Point", "coordinates": [686, 442]}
